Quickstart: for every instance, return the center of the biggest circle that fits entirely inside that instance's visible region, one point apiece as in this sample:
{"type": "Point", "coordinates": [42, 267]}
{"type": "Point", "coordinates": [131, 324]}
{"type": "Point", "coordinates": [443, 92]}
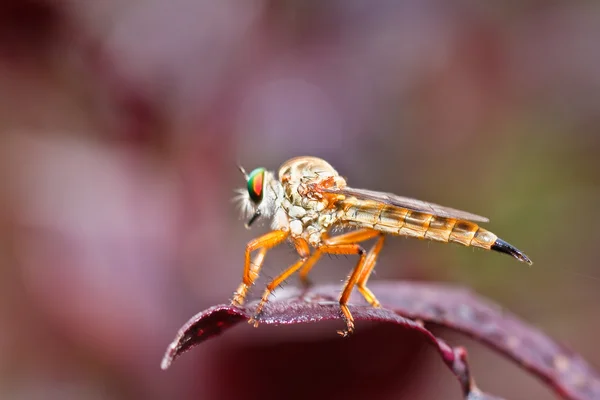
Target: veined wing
{"type": "Point", "coordinates": [406, 202]}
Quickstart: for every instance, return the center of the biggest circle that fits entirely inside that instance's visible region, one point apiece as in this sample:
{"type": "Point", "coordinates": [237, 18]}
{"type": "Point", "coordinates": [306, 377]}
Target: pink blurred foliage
{"type": "Point", "coordinates": [121, 123]}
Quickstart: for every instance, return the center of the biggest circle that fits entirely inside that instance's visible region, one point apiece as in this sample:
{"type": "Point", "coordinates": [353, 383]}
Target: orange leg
{"type": "Point", "coordinates": [343, 244]}
{"type": "Point", "coordinates": [303, 250]}
{"type": "Point", "coordinates": [255, 266]}
{"type": "Point", "coordinates": [307, 267]}
{"type": "Point", "coordinates": [361, 284]}
{"type": "Point", "coordinates": [341, 248]}
{"type": "Point", "coordinates": [272, 286]}
{"type": "Point", "coordinates": [345, 238]}
{"type": "Point", "coordinates": [263, 243]}
{"type": "Point", "coordinates": [352, 248]}
{"type": "Point", "coordinates": [346, 244]}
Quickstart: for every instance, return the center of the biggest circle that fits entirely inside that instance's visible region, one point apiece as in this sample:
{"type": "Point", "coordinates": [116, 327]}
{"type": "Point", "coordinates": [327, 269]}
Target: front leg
{"type": "Point", "coordinates": [240, 294]}
{"type": "Point", "coordinates": [251, 272]}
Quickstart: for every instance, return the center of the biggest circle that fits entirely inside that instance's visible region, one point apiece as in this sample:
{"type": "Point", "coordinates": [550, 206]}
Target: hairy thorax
{"type": "Point", "coordinates": [310, 213]}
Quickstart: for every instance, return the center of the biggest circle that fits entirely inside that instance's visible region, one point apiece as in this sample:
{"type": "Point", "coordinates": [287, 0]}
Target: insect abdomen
{"type": "Point", "coordinates": [404, 222]}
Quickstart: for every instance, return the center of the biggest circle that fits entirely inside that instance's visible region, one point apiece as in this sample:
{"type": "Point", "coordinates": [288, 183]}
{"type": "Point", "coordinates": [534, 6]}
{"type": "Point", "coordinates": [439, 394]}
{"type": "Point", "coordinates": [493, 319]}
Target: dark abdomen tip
{"type": "Point", "coordinates": [507, 248]}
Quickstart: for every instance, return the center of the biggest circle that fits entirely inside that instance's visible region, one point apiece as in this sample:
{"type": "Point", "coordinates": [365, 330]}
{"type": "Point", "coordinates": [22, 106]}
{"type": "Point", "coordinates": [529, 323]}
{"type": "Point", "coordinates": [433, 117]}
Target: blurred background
{"type": "Point", "coordinates": [121, 124]}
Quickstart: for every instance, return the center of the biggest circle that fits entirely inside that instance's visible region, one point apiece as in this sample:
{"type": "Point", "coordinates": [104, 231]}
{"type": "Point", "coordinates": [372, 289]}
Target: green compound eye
{"type": "Point", "coordinates": [255, 184]}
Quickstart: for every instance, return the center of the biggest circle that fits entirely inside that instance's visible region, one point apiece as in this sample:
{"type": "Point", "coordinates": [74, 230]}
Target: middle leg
{"type": "Point", "coordinates": [303, 250]}
{"type": "Point", "coordinates": [356, 236]}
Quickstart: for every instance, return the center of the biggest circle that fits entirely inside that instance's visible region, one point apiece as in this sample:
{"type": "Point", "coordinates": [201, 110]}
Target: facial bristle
{"type": "Point", "coordinates": [244, 203]}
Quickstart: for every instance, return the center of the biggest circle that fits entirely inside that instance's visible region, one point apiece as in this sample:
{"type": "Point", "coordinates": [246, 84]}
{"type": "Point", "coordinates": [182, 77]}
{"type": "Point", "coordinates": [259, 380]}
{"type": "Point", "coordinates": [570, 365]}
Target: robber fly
{"type": "Point", "coordinates": [308, 200]}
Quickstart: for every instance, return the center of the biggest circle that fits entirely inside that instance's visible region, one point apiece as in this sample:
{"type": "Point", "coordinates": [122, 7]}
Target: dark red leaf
{"type": "Point", "coordinates": [460, 309]}
{"type": "Point", "coordinates": [455, 308]}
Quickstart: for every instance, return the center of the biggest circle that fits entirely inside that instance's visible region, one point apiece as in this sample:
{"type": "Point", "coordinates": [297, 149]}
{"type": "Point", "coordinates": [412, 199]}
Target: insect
{"type": "Point", "coordinates": [308, 201]}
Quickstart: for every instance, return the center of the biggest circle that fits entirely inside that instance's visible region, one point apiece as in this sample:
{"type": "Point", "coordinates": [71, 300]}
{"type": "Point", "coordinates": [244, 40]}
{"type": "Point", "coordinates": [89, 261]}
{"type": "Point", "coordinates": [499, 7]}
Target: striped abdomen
{"type": "Point", "coordinates": [403, 222]}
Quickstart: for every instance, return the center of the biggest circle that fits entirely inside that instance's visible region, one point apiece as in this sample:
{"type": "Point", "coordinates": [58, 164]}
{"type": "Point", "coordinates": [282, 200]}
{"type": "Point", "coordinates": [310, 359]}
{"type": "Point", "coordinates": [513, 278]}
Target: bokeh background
{"type": "Point", "coordinates": [121, 124]}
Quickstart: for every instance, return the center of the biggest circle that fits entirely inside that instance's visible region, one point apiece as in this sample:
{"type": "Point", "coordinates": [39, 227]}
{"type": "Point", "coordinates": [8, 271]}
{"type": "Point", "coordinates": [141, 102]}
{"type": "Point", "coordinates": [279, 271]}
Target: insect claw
{"type": "Point", "coordinates": [254, 321]}
{"type": "Point", "coordinates": [347, 317]}
{"type": "Point", "coordinates": [346, 333]}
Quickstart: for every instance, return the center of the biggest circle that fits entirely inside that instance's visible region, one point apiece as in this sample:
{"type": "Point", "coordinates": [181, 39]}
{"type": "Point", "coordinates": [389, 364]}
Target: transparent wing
{"type": "Point", "coordinates": [406, 202]}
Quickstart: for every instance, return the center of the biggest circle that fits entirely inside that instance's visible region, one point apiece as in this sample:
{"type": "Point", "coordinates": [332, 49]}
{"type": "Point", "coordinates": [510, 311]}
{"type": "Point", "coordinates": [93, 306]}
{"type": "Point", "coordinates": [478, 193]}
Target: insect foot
{"type": "Point", "coordinates": [254, 321]}
{"type": "Point", "coordinates": [349, 331]}
{"type": "Point", "coordinates": [348, 319]}
{"type": "Point", "coordinates": [349, 327]}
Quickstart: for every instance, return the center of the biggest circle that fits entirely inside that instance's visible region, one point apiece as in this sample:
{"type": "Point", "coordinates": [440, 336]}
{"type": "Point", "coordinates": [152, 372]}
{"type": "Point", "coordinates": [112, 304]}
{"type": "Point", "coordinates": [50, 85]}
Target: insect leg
{"type": "Point", "coordinates": [307, 267]}
{"type": "Point", "coordinates": [272, 286]}
{"type": "Point", "coordinates": [255, 266]}
{"type": "Point", "coordinates": [347, 244]}
{"type": "Point", "coordinates": [264, 243]}
{"type": "Point", "coordinates": [361, 284]}
{"type": "Point", "coordinates": [349, 237]}
{"type": "Point", "coordinates": [353, 248]}
{"type": "Point", "coordinates": [305, 258]}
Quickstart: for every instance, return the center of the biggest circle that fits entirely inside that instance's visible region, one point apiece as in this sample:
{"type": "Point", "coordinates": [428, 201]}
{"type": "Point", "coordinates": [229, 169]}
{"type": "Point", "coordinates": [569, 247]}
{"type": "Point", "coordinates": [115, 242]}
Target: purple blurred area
{"type": "Point", "coordinates": [121, 124]}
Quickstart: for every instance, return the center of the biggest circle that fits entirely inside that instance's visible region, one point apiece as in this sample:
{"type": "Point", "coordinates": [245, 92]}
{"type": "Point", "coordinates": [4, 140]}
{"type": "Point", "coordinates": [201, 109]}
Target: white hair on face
{"type": "Point", "coordinates": [244, 203]}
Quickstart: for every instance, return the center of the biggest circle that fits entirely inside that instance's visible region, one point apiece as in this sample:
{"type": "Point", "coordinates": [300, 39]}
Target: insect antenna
{"type": "Point", "coordinates": [243, 171]}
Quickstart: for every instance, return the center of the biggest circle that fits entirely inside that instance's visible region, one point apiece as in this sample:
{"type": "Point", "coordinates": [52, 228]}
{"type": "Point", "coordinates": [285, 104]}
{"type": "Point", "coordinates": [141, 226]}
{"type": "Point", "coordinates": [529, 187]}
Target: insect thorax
{"type": "Point", "coordinates": [309, 213]}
